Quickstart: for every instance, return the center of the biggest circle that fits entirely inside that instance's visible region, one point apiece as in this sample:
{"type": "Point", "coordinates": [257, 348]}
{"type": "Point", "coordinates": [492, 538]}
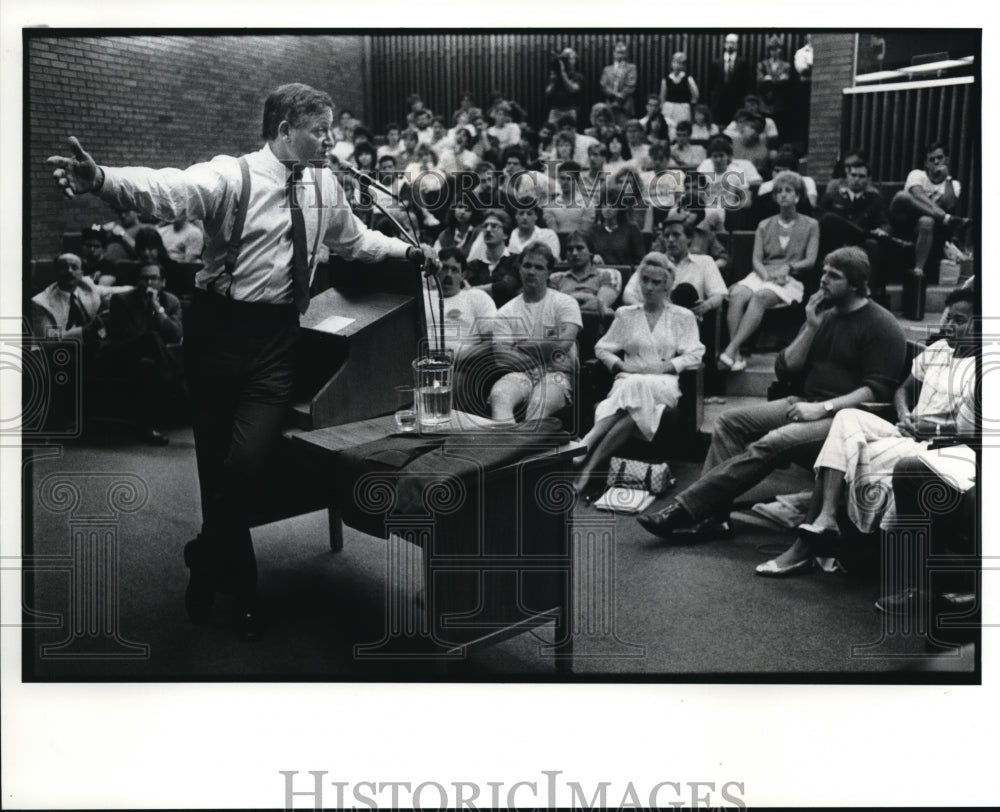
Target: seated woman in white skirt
{"type": "Point", "coordinates": [784, 249]}
{"type": "Point", "coordinates": [861, 450]}
{"type": "Point", "coordinates": [648, 345]}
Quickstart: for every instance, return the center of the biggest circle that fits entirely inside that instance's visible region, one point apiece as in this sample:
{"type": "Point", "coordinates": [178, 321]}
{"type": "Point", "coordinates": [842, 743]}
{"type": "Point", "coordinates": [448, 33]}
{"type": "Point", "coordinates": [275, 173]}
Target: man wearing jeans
{"type": "Point", "coordinates": [850, 350]}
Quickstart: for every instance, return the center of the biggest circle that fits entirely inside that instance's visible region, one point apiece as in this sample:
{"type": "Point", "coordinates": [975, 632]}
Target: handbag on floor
{"type": "Point", "coordinates": [653, 477]}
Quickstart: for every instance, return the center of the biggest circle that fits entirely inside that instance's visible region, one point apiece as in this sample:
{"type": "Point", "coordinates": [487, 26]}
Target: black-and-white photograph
{"type": "Point", "coordinates": [590, 355]}
{"type": "Point", "coordinates": [519, 355]}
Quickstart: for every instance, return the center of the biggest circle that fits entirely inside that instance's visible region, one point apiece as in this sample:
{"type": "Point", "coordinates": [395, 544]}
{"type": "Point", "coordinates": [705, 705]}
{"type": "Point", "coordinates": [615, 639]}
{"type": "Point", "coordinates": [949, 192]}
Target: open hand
{"type": "Point", "coordinates": [76, 175]}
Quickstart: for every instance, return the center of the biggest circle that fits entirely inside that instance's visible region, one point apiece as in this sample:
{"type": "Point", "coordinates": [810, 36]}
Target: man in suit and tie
{"type": "Point", "coordinates": [618, 82]}
{"type": "Point", "coordinates": [728, 81]}
{"type": "Point", "coordinates": [70, 307]}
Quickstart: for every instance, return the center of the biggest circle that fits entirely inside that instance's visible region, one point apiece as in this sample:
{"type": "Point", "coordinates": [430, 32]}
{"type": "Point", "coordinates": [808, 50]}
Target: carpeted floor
{"type": "Point", "coordinates": [694, 613]}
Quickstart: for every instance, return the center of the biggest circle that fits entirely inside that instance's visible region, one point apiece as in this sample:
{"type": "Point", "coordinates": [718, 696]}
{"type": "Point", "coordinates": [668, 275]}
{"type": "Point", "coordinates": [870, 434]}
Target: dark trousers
{"type": "Point", "coordinates": [921, 494]}
{"type": "Point", "coordinates": [238, 359]}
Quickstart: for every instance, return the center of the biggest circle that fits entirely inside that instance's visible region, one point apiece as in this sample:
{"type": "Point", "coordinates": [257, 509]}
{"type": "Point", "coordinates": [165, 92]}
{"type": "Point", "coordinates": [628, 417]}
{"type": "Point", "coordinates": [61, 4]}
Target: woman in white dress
{"type": "Point", "coordinates": [861, 450]}
{"type": "Point", "coordinates": [647, 346]}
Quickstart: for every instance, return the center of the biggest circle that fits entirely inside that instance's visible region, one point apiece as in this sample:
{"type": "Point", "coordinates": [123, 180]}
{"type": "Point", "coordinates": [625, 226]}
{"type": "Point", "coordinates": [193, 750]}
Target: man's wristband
{"type": "Point", "coordinates": [99, 184]}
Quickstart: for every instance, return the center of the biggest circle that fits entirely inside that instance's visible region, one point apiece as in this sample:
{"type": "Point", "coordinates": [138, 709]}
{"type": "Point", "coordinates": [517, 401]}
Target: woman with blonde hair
{"type": "Point", "coordinates": [647, 346]}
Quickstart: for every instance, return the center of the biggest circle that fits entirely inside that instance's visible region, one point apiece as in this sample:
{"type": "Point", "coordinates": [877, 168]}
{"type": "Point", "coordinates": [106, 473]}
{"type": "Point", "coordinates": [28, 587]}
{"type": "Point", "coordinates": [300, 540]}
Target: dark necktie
{"type": "Point", "coordinates": [300, 252]}
{"type": "Point", "coordinates": [76, 317]}
{"type": "Point", "coordinates": [729, 67]}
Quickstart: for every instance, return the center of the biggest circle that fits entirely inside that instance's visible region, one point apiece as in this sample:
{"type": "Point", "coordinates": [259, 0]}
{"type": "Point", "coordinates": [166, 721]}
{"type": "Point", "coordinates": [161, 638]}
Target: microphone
{"type": "Point", "coordinates": [367, 182]}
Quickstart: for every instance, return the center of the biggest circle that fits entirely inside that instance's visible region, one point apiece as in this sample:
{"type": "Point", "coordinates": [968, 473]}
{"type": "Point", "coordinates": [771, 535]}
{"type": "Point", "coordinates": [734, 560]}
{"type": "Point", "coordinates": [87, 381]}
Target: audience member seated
{"type": "Point", "coordinates": [663, 185]}
{"type": "Point", "coordinates": [602, 122]}
{"type": "Point", "coordinates": [646, 348]}
{"type": "Point", "coordinates": [618, 82]}
{"type": "Point", "coordinates": [924, 210]}
{"type": "Point", "coordinates": [850, 350]}
{"type": "Point", "coordinates": [729, 181]}
{"type": "Point", "coordinates": [705, 239]}
{"type": "Point", "coordinates": [862, 449]}
{"type": "Point", "coordinates": [459, 233]}
{"type": "Point", "coordinates": [467, 323]}
{"type": "Point", "coordinates": [786, 160]}
{"type": "Point", "coordinates": [702, 127]}
{"type": "Point", "coordinates": [595, 289]}
{"type": "Point", "coordinates": [185, 241]}
{"type": "Point", "coordinates": [546, 142]}
{"type": "Point", "coordinates": [619, 154]}
{"type": "Point", "coordinates": [853, 213]}
{"type": "Point", "coordinates": [96, 266]}
{"type": "Point", "coordinates": [594, 180]}
{"type": "Point", "coordinates": [752, 104]}
{"type": "Point", "coordinates": [616, 240]}
{"type": "Point", "coordinates": [678, 90]}
{"type": "Point", "coordinates": [422, 126]}
{"type": "Point", "coordinates": [506, 132]}
{"type": "Point", "coordinates": [465, 158]}
{"type": "Point", "coordinates": [570, 211]}
{"type": "Point", "coordinates": [697, 283]}
{"type": "Point", "coordinates": [581, 143]}
{"type": "Point", "coordinates": [531, 228]}
{"type": "Point", "coordinates": [637, 144]}
{"type": "Point", "coordinates": [564, 92]}
{"type": "Point", "coordinates": [518, 184]}
{"type": "Point", "coordinates": [784, 252]}
{"type": "Point", "coordinates": [72, 306]}
{"type": "Point", "coordinates": [748, 145]}
{"type": "Point", "coordinates": [683, 152]}
{"type": "Point", "coordinates": [534, 337]}
{"type": "Point", "coordinates": [393, 145]}
{"type": "Point", "coordinates": [140, 325]}
{"type": "Point", "coordinates": [659, 130]}
{"type": "Point", "coordinates": [121, 236]}
{"type": "Point", "coordinates": [493, 268]}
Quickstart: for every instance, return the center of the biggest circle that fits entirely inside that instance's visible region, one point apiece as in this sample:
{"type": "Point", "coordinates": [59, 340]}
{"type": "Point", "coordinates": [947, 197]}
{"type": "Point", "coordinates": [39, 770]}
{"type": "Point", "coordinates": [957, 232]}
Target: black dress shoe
{"type": "Point", "coordinates": [667, 521]}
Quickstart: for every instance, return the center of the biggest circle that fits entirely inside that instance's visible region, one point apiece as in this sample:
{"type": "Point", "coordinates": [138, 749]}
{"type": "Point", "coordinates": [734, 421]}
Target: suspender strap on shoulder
{"type": "Point", "coordinates": [241, 216]}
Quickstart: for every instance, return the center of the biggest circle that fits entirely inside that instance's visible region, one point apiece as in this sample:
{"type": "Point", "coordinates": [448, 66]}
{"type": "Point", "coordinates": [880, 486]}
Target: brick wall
{"type": "Point", "coordinates": [161, 101]}
{"type": "Point", "coordinates": [833, 70]}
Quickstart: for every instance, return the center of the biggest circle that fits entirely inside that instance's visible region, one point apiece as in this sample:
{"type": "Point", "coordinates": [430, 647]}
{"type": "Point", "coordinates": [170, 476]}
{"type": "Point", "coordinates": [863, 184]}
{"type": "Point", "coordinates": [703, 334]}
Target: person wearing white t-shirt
{"type": "Point", "coordinates": [535, 337]}
{"type": "Point", "coordinates": [468, 312]}
{"type": "Point", "coordinates": [925, 206]}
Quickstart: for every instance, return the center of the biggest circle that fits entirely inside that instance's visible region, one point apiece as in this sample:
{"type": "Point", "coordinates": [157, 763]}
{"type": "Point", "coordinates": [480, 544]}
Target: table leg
{"type": "Point", "coordinates": [336, 529]}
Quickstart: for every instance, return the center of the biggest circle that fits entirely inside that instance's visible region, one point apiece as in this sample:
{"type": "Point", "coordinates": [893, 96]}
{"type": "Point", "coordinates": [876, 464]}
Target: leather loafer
{"type": "Point", "coordinates": [771, 569]}
{"type": "Point", "coordinates": [667, 521]}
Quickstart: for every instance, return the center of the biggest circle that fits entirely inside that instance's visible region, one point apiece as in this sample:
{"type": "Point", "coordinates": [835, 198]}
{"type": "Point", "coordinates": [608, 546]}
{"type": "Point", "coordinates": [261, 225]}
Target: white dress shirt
{"type": "Point", "coordinates": [210, 192]}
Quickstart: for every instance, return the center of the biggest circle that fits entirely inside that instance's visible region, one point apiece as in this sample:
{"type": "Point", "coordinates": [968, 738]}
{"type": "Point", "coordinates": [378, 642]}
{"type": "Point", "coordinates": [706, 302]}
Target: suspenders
{"type": "Point", "coordinates": [236, 238]}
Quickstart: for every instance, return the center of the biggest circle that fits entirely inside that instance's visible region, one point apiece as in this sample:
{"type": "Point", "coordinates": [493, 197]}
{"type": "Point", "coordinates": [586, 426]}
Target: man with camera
{"type": "Point", "coordinates": [565, 88]}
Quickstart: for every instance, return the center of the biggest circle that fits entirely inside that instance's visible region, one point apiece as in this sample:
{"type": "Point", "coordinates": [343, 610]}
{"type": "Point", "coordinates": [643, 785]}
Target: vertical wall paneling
{"type": "Point", "coordinates": [440, 66]}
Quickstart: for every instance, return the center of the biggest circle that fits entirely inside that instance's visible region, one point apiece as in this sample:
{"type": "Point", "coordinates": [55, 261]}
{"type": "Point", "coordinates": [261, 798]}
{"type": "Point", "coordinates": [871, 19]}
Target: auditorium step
{"type": "Point", "coordinates": [934, 302]}
{"type": "Point", "coordinates": [754, 380]}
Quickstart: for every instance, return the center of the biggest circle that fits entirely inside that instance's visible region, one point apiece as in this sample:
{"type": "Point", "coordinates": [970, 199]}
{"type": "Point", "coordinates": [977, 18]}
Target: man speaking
{"type": "Point", "coordinates": [265, 215]}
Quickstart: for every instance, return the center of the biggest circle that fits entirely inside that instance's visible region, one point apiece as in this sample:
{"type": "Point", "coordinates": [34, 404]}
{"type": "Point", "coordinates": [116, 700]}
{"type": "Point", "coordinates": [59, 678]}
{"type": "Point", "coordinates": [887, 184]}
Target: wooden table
{"type": "Point", "coordinates": [496, 544]}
